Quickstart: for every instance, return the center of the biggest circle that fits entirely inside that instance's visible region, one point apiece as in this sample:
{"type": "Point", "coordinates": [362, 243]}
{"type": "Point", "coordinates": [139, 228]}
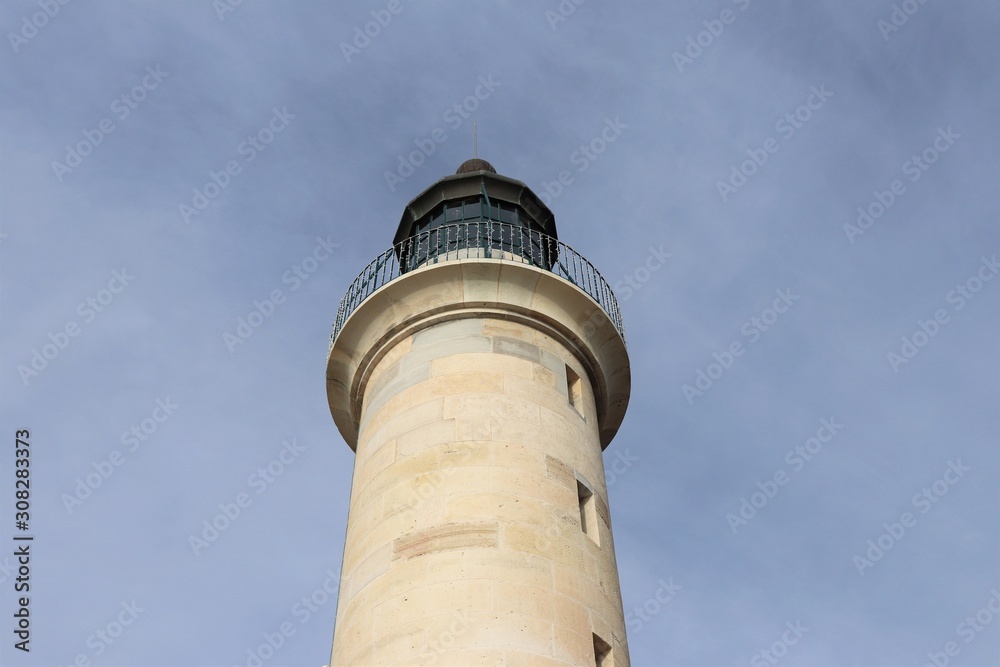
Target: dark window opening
{"type": "Point", "coordinates": [602, 653]}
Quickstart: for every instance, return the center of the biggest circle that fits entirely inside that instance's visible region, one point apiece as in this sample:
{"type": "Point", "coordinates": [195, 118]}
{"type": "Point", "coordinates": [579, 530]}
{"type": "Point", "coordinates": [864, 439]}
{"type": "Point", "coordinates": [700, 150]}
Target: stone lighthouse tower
{"type": "Point", "coordinates": [478, 369]}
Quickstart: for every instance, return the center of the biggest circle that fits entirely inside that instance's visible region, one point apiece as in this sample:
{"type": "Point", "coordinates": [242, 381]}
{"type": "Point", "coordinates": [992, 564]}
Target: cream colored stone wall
{"type": "Point", "coordinates": [464, 542]}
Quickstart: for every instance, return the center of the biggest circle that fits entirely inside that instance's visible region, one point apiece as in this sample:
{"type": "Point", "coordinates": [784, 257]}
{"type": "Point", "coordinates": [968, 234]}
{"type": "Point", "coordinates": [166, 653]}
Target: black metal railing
{"type": "Point", "coordinates": [479, 239]}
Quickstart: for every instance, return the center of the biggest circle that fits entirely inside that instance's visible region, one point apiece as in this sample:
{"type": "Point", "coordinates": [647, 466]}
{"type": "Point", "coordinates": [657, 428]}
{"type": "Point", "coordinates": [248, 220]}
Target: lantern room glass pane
{"type": "Point", "coordinates": [472, 223]}
{"type": "Point", "coordinates": [473, 210]}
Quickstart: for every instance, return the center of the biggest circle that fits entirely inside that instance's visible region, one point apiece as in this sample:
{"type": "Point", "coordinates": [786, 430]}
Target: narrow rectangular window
{"type": "Point", "coordinates": [574, 390]}
{"type": "Point", "coordinates": [588, 512]}
{"type": "Point", "coordinates": [602, 653]}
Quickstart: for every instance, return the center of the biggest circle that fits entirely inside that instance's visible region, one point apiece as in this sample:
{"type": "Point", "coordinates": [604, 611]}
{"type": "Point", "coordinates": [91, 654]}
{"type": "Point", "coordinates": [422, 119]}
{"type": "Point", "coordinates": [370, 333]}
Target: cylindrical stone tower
{"type": "Point", "coordinates": [478, 369]}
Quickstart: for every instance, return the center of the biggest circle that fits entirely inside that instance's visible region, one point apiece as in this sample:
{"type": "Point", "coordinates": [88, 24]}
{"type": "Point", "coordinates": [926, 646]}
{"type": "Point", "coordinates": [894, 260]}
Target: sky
{"type": "Point", "coordinates": [797, 205]}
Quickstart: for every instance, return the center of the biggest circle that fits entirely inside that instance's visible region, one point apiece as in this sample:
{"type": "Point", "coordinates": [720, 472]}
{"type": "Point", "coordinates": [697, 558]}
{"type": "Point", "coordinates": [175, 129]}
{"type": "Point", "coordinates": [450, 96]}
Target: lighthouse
{"type": "Point", "coordinates": [478, 369]}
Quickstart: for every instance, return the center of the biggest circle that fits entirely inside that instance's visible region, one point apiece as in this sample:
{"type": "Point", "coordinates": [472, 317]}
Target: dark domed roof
{"type": "Point", "coordinates": [475, 164]}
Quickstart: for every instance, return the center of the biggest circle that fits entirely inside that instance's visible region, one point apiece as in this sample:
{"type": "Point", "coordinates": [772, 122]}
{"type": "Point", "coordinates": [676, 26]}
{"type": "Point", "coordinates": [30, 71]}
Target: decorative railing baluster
{"type": "Point", "coordinates": [478, 239]}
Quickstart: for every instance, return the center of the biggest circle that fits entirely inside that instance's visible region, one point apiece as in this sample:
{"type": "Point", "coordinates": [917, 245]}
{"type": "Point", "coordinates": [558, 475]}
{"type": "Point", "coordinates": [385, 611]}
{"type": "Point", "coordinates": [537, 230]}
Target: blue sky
{"type": "Point", "coordinates": [807, 377]}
